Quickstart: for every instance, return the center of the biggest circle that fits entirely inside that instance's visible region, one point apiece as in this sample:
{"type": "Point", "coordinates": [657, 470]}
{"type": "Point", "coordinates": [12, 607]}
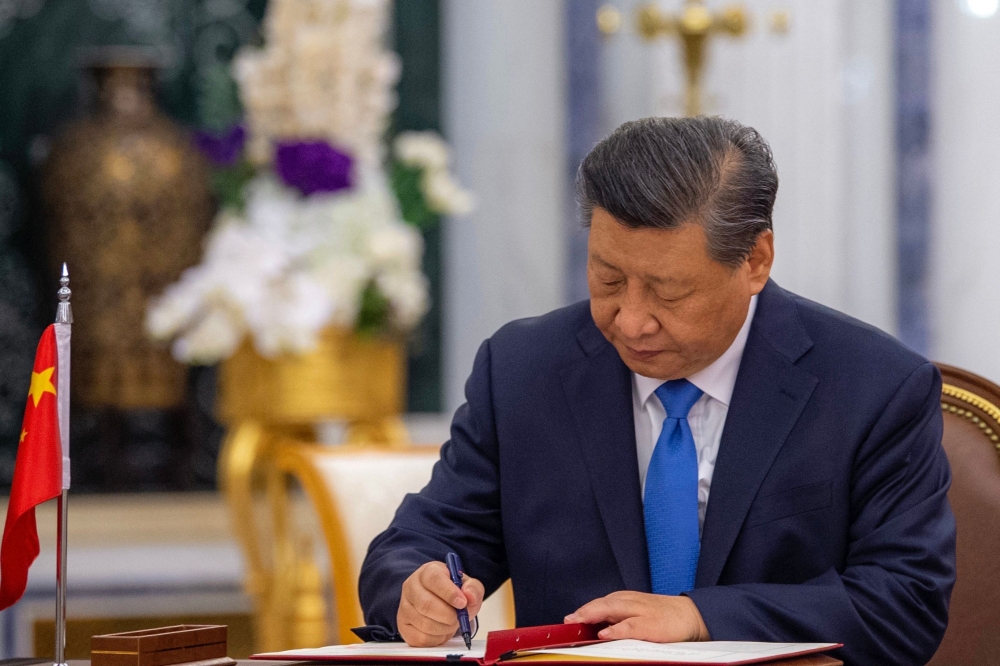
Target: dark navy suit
{"type": "Point", "coordinates": [827, 520]}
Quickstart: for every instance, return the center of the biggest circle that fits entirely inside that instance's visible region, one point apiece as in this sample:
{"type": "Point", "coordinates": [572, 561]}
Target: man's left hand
{"type": "Point", "coordinates": [648, 617]}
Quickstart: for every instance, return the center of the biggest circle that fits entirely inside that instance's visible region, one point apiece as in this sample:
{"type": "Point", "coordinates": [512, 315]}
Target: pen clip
{"type": "Point", "coordinates": [455, 568]}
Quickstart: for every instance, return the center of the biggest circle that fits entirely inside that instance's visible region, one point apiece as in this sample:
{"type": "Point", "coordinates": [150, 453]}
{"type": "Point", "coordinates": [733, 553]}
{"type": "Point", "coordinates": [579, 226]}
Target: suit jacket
{"type": "Point", "coordinates": [827, 521]}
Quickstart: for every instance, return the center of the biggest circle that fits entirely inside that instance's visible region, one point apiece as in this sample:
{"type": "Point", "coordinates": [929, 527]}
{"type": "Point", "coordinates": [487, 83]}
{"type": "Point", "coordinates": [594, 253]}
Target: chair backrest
{"type": "Point", "coordinates": [971, 407]}
{"type": "Point", "coordinates": [355, 492]}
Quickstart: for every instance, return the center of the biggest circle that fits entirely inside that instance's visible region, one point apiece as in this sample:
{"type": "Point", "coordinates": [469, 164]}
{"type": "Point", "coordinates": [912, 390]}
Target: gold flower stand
{"type": "Point", "coordinates": [272, 403]}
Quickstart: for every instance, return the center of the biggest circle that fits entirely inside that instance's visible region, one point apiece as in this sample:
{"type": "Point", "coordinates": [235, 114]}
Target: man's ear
{"type": "Point", "coordinates": [760, 261]}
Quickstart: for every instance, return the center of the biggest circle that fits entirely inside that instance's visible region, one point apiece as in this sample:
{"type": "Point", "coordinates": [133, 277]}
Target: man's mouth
{"type": "Point", "coordinates": [643, 354]}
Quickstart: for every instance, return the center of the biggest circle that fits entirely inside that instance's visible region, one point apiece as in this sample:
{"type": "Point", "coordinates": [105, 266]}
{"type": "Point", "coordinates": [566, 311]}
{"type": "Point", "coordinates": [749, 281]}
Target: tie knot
{"type": "Point", "coordinates": [678, 397]}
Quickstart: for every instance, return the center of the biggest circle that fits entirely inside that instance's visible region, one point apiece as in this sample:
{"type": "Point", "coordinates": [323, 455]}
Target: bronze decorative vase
{"type": "Point", "coordinates": [128, 202]}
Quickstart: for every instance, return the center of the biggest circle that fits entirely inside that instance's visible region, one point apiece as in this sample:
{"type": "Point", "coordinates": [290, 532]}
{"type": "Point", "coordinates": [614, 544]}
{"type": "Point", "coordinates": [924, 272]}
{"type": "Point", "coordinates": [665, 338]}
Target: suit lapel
{"type": "Point", "coordinates": [599, 390]}
{"type": "Point", "coordinates": [769, 395]}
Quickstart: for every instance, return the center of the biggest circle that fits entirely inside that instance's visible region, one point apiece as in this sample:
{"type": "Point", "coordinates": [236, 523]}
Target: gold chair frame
{"type": "Point", "coordinates": [247, 479]}
{"type": "Point", "coordinates": [296, 460]}
{"type": "Point", "coordinates": [972, 406]}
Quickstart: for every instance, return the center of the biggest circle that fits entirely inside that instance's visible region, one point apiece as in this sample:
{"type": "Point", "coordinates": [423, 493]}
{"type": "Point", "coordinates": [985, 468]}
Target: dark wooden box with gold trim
{"type": "Point", "coordinates": [203, 644]}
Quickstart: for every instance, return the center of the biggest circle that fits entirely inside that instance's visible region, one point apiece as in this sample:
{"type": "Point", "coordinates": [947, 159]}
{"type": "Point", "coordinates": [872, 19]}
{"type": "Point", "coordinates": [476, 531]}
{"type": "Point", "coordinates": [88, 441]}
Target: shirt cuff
{"type": "Point", "coordinates": [375, 633]}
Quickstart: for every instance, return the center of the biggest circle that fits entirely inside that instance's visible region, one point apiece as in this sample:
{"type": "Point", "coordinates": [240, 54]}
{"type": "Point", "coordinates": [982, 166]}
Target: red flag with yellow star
{"type": "Point", "coordinates": [38, 472]}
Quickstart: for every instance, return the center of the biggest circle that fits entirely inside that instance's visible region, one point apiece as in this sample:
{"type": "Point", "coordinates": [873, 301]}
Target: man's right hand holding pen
{"type": "Point", "coordinates": [426, 615]}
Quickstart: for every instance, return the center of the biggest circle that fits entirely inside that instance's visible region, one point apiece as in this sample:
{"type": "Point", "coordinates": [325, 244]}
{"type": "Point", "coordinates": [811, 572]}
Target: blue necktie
{"type": "Point", "coordinates": [670, 505]}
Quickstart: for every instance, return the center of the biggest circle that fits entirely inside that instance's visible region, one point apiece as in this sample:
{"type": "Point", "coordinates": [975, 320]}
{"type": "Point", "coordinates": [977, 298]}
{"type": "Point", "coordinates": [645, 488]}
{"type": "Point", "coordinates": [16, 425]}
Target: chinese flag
{"type": "Point", "coordinates": [38, 473]}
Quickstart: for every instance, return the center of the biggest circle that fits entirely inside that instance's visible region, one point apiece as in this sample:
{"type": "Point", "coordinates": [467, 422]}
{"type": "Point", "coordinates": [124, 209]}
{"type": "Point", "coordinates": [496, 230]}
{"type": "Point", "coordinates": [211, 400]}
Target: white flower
{"type": "Point", "coordinates": [444, 195]}
{"type": "Point", "coordinates": [214, 337]}
{"type": "Point", "coordinates": [396, 247]}
{"type": "Point", "coordinates": [429, 152]}
{"type": "Point", "coordinates": [174, 310]}
{"type": "Point", "coordinates": [291, 266]}
{"type": "Point", "coordinates": [426, 150]}
{"type": "Point", "coordinates": [293, 312]}
{"type": "Point", "coordinates": [270, 206]}
{"type": "Point", "coordinates": [407, 295]}
{"type": "Point", "coordinates": [324, 73]}
{"type": "Point", "coordinates": [344, 280]}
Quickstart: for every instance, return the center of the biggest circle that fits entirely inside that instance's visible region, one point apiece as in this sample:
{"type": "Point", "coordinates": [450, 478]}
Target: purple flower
{"type": "Point", "coordinates": [222, 149]}
{"type": "Point", "coordinates": [313, 166]}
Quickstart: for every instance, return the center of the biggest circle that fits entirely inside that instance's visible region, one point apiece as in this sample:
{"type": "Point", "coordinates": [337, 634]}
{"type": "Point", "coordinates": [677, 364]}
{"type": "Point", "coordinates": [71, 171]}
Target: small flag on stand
{"type": "Point", "coordinates": [38, 472]}
{"type": "Point", "coordinates": [41, 471]}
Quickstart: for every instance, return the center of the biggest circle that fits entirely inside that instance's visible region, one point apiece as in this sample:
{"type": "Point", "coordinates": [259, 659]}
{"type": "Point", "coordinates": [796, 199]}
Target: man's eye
{"type": "Point", "coordinates": [672, 298]}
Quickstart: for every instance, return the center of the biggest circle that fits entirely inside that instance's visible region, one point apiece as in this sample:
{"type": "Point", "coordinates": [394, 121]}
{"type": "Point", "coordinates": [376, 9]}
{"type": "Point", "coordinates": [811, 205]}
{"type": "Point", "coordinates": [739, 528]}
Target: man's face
{"type": "Point", "coordinates": [668, 308]}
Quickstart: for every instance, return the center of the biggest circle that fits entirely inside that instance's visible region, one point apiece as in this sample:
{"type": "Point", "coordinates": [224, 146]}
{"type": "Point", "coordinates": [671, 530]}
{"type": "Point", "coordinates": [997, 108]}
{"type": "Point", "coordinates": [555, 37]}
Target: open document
{"type": "Point", "coordinates": [708, 652]}
{"type": "Point", "coordinates": [383, 652]}
{"type": "Point", "coordinates": [557, 644]}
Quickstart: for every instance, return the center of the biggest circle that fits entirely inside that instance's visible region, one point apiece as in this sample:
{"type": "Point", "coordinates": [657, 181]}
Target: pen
{"type": "Point", "coordinates": [455, 570]}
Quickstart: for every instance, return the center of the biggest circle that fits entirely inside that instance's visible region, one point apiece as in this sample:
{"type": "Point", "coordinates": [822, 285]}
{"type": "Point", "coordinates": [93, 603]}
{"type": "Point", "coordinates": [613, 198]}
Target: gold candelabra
{"type": "Point", "coordinates": [693, 25]}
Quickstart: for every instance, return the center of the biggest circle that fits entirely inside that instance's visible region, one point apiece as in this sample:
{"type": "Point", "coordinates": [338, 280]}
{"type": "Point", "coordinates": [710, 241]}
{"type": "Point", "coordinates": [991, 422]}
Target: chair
{"type": "Point", "coordinates": [971, 407]}
{"type": "Point", "coordinates": [355, 491]}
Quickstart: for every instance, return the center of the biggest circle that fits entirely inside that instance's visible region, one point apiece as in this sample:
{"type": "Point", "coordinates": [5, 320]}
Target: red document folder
{"type": "Point", "coordinates": [511, 644]}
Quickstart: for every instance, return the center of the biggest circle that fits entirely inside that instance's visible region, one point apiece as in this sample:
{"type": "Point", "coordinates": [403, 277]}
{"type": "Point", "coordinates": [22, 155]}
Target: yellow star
{"type": "Point", "coordinates": [24, 433]}
{"type": "Point", "coordinates": [41, 383]}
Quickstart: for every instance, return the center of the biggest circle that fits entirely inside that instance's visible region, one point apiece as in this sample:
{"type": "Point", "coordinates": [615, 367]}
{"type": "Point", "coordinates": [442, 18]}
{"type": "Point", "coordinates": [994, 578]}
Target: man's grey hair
{"type": "Point", "coordinates": [665, 172]}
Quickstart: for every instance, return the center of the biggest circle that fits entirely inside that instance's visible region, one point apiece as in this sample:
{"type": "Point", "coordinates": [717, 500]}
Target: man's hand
{"type": "Point", "coordinates": [648, 617]}
{"type": "Point", "coordinates": [426, 615]}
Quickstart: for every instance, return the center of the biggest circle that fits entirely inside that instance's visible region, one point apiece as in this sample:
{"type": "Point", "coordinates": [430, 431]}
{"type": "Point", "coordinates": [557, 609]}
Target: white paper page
{"type": "Point", "coordinates": [711, 652]}
{"type": "Point", "coordinates": [454, 646]}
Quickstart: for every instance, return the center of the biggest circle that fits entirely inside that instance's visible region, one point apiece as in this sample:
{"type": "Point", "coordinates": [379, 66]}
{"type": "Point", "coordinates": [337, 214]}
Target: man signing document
{"type": "Point", "coordinates": [692, 454]}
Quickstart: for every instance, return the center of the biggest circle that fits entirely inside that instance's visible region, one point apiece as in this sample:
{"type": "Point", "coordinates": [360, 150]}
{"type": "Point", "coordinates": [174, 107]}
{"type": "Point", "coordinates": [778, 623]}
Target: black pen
{"type": "Point", "coordinates": [455, 571]}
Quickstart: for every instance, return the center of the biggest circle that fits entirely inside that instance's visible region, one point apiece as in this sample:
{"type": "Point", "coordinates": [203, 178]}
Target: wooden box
{"type": "Point", "coordinates": [203, 644]}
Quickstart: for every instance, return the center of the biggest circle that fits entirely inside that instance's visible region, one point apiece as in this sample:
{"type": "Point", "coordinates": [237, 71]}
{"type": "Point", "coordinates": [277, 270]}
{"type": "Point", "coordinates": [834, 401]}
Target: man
{"type": "Point", "coordinates": [695, 453]}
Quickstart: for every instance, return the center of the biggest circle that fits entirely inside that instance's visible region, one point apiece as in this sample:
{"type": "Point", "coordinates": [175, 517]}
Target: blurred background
{"type": "Point", "coordinates": [368, 189]}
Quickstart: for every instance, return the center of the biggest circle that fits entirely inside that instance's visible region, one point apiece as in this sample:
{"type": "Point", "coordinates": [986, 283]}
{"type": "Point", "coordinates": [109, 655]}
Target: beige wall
{"type": "Point", "coordinates": [504, 115]}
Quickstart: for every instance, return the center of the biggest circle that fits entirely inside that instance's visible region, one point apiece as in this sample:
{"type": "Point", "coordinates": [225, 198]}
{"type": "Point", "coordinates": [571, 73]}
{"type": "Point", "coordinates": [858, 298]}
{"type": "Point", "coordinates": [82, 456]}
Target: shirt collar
{"type": "Point", "coordinates": [719, 378]}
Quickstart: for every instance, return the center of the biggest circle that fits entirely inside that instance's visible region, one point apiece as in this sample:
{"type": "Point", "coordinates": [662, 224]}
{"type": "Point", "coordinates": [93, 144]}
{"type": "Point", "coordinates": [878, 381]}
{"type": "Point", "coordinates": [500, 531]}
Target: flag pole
{"type": "Point", "coordinates": [64, 318]}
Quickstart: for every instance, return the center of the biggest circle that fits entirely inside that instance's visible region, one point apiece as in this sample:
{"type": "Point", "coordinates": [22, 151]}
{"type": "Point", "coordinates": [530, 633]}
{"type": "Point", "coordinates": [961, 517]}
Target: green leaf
{"type": "Point", "coordinates": [228, 183]}
{"type": "Point", "coordinates": [412, 203]}
{"type": "Point", "coordinates": [373, 317]}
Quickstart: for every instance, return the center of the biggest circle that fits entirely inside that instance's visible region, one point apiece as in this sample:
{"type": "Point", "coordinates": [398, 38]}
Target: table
{"type": "Point", "coordinates": [814, 660]}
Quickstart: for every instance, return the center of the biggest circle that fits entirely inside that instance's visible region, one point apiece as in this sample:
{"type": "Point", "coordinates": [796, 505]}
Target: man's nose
{"type": "Point", "coordinates": [634, 320]}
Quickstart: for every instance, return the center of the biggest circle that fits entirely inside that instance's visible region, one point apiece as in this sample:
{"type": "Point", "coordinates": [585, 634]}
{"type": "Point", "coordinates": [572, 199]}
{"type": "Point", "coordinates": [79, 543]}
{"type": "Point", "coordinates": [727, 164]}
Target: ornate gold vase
{"type": "Point", "coordinates": [128, 203]}
{"type": "Point", "coordinates": [358, 379]}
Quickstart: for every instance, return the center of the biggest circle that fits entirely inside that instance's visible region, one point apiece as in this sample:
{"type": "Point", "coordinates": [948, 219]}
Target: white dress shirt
{"type": "Point", "coordinates": [706, 418]}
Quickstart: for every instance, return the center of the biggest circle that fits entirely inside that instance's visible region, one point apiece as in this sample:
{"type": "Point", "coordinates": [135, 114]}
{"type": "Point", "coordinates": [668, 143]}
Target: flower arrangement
{"type": "Point", "coordinates": [318, 226]}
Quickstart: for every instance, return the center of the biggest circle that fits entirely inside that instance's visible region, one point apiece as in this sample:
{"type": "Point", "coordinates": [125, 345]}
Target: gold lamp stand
{"type": "Point", "coordinates": [695, 26]}
{"type": "Point", "coordinates": [266, 401]}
